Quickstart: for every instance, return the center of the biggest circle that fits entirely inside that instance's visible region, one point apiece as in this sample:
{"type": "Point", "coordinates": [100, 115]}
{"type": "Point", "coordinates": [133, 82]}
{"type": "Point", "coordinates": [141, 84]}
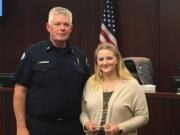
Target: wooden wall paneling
{"type": "Point", "coordinates": [176, 117]}
{"type": "Point", "coordinates": [148, 28]}
{"type": "Point", "coordinates": [159, 119]}
{"type": "Point", "coordinates": [25, 24]}
{"type": "Point", "coordinates": [137, 27]}
{"type": "Point", "coordinates": [86, 27]}
{"type": "Point", "coordinates": [7, 119]}
{"type": "Point", "coordinates": [138, 30]}
{"type": "Point", "coordinates": [163, 114]}
{"type": "Point", "coordinates": [169, 30]}
{"type": "Point", "coordinates": [1, 41]}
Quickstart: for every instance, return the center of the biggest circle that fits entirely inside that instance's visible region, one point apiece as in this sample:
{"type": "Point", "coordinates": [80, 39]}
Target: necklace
{"type": "Point", "coordinates": [108, 90]}
{"type": "Point", "coordinates": [109, 85]}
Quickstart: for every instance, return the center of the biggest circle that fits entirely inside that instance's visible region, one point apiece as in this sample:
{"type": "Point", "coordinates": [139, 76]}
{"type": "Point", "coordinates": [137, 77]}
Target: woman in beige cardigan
{"type": "Point", "coordinates": [113, 102]}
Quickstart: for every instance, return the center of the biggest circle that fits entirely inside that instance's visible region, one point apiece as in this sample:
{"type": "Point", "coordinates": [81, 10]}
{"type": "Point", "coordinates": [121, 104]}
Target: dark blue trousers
{"type": "Point", "coordinates": [40, 127]}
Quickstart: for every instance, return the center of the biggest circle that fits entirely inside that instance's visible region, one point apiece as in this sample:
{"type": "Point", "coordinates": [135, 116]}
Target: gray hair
{"type": "Point", "coordinates": [58, 11]}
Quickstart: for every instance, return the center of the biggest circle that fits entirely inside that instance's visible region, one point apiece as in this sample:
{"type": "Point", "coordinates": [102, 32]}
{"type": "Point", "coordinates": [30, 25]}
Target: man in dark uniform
{"type": "Point", "coordinates": [49, 82]}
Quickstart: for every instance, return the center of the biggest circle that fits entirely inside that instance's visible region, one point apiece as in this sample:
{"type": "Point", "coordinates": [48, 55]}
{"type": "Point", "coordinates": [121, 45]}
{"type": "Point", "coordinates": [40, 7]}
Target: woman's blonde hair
{"type": "Point", "coordinates": [121, 70]}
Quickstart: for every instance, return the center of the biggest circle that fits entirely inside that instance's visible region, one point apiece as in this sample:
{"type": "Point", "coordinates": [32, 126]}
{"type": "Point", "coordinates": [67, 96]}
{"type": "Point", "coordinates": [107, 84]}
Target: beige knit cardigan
{"type": "Point", "coordinates": [127, 106]}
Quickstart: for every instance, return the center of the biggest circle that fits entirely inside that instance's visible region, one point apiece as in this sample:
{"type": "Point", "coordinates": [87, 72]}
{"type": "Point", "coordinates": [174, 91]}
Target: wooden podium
{"type": "Point", "coordinates": [7, 119]}
{"type": "Point", "coordinates": [164, 114]}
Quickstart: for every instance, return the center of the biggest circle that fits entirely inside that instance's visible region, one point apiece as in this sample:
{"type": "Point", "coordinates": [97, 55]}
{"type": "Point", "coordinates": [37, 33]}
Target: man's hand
{"type": "Point", "coordinates": [22, 131]}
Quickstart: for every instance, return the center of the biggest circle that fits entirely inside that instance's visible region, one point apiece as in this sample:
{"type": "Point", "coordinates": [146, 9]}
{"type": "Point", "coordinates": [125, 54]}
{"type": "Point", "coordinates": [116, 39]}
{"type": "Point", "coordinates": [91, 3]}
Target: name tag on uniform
{"type": "Point", "coordinates": [43, 62]}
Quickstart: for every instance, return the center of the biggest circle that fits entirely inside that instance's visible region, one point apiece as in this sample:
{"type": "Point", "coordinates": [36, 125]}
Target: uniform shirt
{"type": "Point", "coordinates": [54, 77]}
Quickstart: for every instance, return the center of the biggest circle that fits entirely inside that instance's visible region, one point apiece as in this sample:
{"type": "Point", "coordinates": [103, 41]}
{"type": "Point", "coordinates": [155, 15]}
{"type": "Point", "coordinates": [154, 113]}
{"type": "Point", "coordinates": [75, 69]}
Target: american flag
{"type": "Point", "coordinates": [108, 25]}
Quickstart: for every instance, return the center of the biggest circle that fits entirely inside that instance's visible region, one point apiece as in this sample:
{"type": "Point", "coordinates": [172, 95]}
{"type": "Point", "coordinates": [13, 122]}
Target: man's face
{"type": "Point", "coordinates": [59, 28]}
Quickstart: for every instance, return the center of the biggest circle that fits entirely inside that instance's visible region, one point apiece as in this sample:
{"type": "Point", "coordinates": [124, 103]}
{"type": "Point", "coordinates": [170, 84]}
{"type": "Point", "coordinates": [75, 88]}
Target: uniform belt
{"type": "Point", "coordinates": [52, 119]}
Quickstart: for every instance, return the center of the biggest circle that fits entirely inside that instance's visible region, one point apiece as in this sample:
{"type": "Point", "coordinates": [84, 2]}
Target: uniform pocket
{"type": "Point", "coordinates": [41, 72]}
{"type": "Point", "coordinates": [43, 67]}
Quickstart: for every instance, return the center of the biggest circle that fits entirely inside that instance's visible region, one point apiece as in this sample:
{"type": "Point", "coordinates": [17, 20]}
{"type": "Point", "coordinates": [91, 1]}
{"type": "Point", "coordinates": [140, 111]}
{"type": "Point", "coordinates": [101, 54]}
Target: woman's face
{"type": "Point", "coordinates": [106, 61]}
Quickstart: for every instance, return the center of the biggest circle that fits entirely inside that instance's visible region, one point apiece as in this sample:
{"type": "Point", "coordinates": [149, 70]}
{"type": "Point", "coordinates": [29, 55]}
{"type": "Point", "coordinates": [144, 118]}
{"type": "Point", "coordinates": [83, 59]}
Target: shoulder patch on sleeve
{"type": "Point", "coordinates": [87, 63]}
{"type": "Point", "coordinates": [23, 56]}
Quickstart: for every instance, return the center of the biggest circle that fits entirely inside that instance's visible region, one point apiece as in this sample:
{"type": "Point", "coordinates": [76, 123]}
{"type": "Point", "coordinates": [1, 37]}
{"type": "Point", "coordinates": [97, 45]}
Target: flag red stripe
{"type": "Point", "coordinates": [104, 34]}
